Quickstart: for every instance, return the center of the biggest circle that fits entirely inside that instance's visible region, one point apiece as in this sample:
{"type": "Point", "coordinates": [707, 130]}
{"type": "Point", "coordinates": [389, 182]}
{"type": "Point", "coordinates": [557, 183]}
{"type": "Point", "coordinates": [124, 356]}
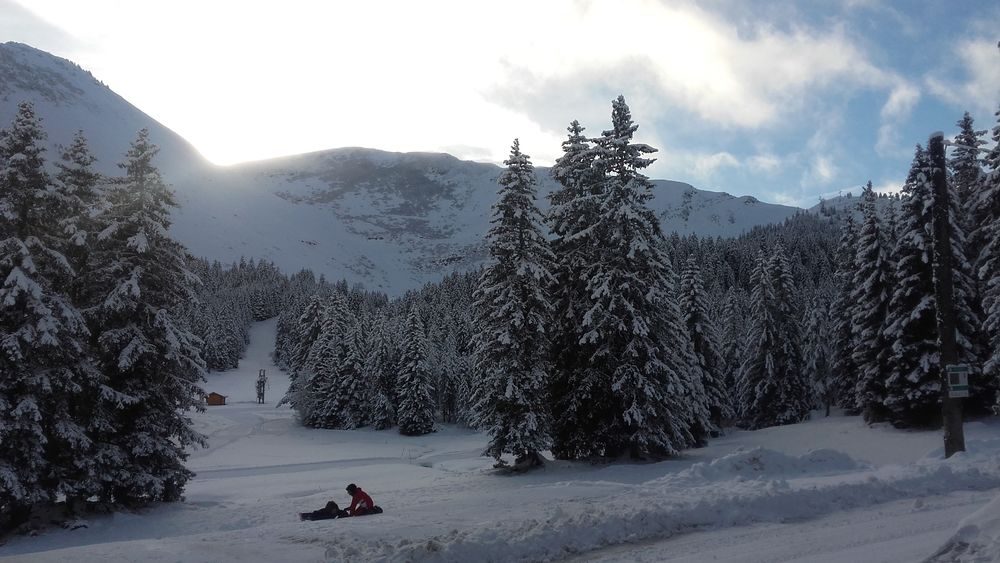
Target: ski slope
{"type": "Point", "coordinates": [832, 489]}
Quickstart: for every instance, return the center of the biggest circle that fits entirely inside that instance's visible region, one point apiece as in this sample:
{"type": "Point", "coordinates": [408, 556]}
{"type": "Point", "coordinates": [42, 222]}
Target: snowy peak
{"type": "Point", "coordinates": [68, 99]}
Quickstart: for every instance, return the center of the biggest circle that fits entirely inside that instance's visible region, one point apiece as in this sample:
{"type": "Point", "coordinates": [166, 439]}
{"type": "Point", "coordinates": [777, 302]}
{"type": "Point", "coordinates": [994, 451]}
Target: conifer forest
{"type": "Point", "coordinates": [591, 334]}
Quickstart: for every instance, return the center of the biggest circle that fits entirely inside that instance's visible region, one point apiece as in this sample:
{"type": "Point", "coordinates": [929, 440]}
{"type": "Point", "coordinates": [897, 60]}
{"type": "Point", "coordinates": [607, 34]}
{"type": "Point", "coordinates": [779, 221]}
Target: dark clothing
{"type": "Point", "coordinates": [331, 510]}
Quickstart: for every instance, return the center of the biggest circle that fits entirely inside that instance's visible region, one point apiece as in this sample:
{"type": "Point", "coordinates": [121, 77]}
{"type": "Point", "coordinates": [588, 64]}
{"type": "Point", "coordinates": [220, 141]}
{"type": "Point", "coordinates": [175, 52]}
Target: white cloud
{"type": "Point", "coordinates": [902, 100]}
{"type": "Point", "coordinates": [821, 171]}
{"type": "Point", "coordinates": [250, 79]}
{"type": "Point", "coordinates": [696, 61]}
{"type": "Point", "coordinates": [896, 111]}
{"type": "Point", "coordinates": [979, 90]}
{"type": "Point", "coordinates": [706, 165]}
{"type": "Point", "coordinates": [764, 163]}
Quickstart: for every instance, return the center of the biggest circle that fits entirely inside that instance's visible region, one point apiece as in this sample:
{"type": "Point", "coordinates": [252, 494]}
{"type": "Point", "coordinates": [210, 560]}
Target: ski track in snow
{"type": "Point", "coordinates": [874, 494]}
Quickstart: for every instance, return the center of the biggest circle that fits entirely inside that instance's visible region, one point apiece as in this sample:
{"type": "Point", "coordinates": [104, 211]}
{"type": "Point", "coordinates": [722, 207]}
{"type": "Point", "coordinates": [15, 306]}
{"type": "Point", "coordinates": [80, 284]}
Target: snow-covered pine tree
{"type": "Point", "coordinates": [987, 214]}
{"type": "Point", "coordinates": [969, 340]}
{"type": "Point", "coordinates": [690, 401]}
{"type": "Point", "coordinates": [44, 448]}
{"type": "Point", "coordinates": [845, 369]}
{"type": "Point", "coordinates": [416, 404]}
{"type": "Point", "coordinates": [913, 384]}
{"type": "Point", "coordinates": [463, 370]}
{"type": "Point", "coordinates": [966, 167]}
{"type": "Point", "coordinates": [78, 193]}
{"type": "Point", "coordinates": [891, 226]}
{"type": "Point", "coordinates": [512, 319]}
{"type": "Point", "coordinates": [734, 335]}
{"type": "Point", "coordinates": [448, 378]}
{"type": "Point", "coordinates": [148, 357]}
{"type": "Point", "coordinates": [818, 350]}
{"type": "Point", "coordinates": [795, 389]}
{"type": "Point", "coordinates": [872, 285]}
{"type": "Point", "coordinates": [330, 389]}
{"type": "Point", "coordinates": [754, 378]}
{"type": "Point", "coordinates": [626, 324]}
{"type": "Point", "coordinates": [772, 390]}
{"type": "Point", "coordinates": [355, 388]}
{"type": "Point", "coordinates": [572, 214]}
{"type": "Point", "coordinates": [967, 180]}
{"type": "Point", "coordinates": [381, 377]}
{"type": "Point", "coordinates": [310, 326]}
{"type": "Point", "coordinates": [305, 333]}
{"type": "Point", "coordinates": [705, 342]}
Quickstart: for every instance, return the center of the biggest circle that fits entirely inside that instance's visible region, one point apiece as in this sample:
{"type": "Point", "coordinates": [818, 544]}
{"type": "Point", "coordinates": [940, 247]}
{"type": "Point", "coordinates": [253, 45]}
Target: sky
{"type": "Point", "coordinates": [788, 100]}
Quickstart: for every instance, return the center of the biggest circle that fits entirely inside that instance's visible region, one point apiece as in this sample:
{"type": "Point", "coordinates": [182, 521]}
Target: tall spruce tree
{"type": "Point", "coordinates": [416, 403]}
{"type": "Point", "coordinates": [987, 215]}
{"type": "Point", "coordinates": [630, 291]}
{"type": "Point", "coordinates": [705, 344]}
{"type": "Point", "coordinates": [818, 351]}
{"type": "Point", "coordinates": [872, 285]}
{"type": "Point", "coordinates": [734, 330]}
{"type": "Point", "coordinates": [44, 372]}
{"type": "Point", "coordinates": [77, 191]}
{"type": "Point", "coordinates": [148, 357]}
{"type": "Point", "coordinates": [513, 318]}
{"type": "Point", "coordinates": [845, 369]}
{"type": "Point", "coordinates": [966, 167]}
{"type": "Point", "coordinates": [574, 388]}
{"type": "Point", "coordinates": [772, 390]}
{"type": "Point", "coordinates": [306, 330]}
{"type": "Point", "coordinates": [381, 377]}
{"type": "Point", "coordinates": [968, 180]}
{"type": "Point", "coordinates": [330, 388]}
{"type": "Point", "coordinates": [969, 339]}
{"type": "Point", "coordinates": [913, 384]}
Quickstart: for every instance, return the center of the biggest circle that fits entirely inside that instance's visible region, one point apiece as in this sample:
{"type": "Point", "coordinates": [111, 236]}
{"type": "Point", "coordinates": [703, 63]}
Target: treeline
{"type": "Point", "coordinates": [228, 300]}
{"type": "Point", "coordinates": [885, 356]}
{"type": "Point", "coordinates": [93, 357]}
{"type": "Point", "coordinates": [451, 351]}
{"type": "Point", "coordinates": [357, 359]}
{"type": "Point", "coordinates": [594, 335]}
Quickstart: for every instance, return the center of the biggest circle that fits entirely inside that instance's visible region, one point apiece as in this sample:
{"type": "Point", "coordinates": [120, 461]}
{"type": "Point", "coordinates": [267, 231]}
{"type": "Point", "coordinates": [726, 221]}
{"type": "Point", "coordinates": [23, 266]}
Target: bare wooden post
{"type": "Point", "coordinates": [954, 434]}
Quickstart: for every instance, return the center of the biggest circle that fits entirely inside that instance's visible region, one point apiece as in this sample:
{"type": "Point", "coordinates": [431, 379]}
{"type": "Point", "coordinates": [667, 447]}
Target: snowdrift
{"type": "Point", "coordinates": [745, 487]}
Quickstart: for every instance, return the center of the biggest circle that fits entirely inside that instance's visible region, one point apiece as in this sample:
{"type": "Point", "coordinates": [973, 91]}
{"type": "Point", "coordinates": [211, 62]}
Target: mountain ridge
{"type": "Point", "coordinates": [390, 220]}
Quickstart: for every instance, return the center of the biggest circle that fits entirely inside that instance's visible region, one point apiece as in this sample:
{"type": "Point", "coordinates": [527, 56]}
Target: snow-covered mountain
{"type": "Point", "coordinates": [388, 220]}
{"type": "Point", "coordinates": [69, 99]}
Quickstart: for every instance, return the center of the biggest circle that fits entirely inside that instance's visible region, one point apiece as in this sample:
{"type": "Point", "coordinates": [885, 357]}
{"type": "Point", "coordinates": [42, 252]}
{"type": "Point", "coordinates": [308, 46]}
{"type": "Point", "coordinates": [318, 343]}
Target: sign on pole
{"type": "Point", "coordinates": [958, 380]}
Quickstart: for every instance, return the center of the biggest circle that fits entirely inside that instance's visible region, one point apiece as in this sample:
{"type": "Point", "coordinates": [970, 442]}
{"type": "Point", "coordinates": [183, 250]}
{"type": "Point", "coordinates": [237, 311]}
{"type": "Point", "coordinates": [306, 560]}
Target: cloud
{"type": "Point", "coordinates": [902, 100]}
{"type": "Point", "coordinates": [823, 169]}
{"type": "Point", "coordinates": [706, 165]}
{"type": "Point", "coordinates": [820, 171]}
{"type": "Point", "coordinates": [689, 60]}
{"type": "Point", "coordinates": [764, 163]}
{"type": "Point", "coordinates": [978, 90]}
{"type": "Point", "coordinates": [895, 112]}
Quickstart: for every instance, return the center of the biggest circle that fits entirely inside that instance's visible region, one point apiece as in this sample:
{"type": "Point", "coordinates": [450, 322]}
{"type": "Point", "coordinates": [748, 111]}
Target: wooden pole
{"type": "Point", "coordinates": [954, 434]}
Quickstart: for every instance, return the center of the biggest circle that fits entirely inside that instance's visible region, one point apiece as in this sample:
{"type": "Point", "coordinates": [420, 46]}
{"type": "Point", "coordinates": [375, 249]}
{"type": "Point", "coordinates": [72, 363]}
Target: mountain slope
{"type": "Point", "coordinates": [388, 220]}
{"type": "Point", "coordinates": [69, 99]}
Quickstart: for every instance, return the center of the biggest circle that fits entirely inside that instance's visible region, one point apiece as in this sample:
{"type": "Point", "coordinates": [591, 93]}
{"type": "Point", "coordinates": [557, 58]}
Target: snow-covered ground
{"type": "Point", "coordinates": [831, 489]}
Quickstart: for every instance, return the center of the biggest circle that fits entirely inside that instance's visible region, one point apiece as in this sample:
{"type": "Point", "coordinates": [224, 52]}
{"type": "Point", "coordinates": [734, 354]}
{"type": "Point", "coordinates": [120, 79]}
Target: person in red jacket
{"type": "Point", "coordinates": [361, 502]}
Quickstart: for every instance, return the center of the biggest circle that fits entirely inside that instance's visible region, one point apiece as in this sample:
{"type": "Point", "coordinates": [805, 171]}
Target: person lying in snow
{"type": "Point", "coordinates": [361, 503]}
{"type": "Point", "coordinates": [331, 510]}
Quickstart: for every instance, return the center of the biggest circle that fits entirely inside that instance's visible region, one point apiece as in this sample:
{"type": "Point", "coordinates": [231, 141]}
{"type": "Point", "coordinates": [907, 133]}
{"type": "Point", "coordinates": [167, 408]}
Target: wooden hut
{"type": "Point", "coordinates": [214, 399]}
